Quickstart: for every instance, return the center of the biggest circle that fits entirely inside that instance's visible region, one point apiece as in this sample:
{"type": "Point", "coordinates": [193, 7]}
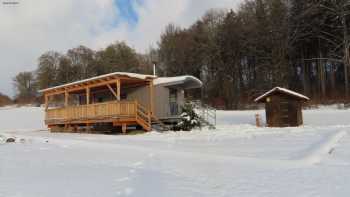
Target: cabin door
{"type": "Point", "coordinates": [173, 102]}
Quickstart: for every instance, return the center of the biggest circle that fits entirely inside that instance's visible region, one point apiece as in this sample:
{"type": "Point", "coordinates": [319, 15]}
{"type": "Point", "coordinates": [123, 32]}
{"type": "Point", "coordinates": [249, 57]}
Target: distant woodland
{"type": "Point", "coordinates": [303, 45]}
{"type": "Point", "coordinates": [4, 100]}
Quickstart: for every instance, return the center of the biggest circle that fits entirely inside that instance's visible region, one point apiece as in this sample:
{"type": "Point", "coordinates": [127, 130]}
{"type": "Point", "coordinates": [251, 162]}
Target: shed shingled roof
{"type": "Point", "coordinates": [282, 90]}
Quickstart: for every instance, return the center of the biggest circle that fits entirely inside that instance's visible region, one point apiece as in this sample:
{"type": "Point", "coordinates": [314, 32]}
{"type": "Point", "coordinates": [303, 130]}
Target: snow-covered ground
{"type": "Point", "coordinates": [236, 159]}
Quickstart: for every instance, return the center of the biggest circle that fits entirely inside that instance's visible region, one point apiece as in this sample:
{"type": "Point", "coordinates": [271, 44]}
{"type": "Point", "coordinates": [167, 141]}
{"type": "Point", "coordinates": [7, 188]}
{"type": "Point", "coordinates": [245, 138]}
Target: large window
{"type": "Point", "coordinates": [174, 108]}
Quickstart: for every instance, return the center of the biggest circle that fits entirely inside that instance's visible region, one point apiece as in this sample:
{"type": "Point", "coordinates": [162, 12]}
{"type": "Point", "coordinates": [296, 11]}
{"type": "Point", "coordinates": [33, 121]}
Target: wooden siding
{"type": "Point", "coordinates": [141, 95]}
{"type": "Point", "coordinates": [161, 99]}
{"type": "Point", "coordinates": [283, 111]}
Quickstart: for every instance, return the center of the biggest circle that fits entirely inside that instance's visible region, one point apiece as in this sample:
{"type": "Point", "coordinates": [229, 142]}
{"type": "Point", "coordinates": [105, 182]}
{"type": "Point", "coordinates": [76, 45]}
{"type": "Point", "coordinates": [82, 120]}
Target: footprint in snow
{"type": "Point", "coordinates": [125, 192]}
{"type": "Point", "coordinates": [128, 191]}
{"type": "Point", "coordinates": [138, 164]}
{"type": "Point", "coordinates": [123, 179]}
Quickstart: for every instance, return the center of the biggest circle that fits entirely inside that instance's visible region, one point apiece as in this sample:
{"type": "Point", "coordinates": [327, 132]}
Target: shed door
{"type": "Point", "coordinates": [285, 112]}
{"type": "Point", "coordinates": [294, 116]}
{"type": "Point", "coordinates": [173, 102]}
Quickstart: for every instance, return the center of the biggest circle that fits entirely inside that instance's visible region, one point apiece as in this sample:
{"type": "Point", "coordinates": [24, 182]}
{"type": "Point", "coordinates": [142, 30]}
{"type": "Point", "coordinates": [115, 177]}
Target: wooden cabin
{"type": "Point", "coordinates": [283, 107]}
{"type": "Point", "coordinates": [115, 100]}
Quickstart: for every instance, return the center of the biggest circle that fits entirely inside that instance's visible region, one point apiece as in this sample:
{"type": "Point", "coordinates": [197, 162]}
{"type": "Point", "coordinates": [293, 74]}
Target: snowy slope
{"type": "Point", "coordinates": [237, 159]}
{"type": "Point", "coordinates": [21, 118]}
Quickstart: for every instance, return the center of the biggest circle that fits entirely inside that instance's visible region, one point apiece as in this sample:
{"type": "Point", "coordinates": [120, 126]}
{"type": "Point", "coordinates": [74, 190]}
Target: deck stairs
{"type": "Point", "coordinates": [148, 121]}
{"type": "Point", "coordinates": [158, 125]}
{"type": "Point", "coordinates": [143, 117]}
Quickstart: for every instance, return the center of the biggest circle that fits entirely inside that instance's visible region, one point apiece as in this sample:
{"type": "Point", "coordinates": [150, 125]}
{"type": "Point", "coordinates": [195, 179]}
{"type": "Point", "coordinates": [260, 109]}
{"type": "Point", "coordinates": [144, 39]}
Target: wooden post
{"type": "Point", "coordinates": [136, 108]}
{"type": "Point", "coordinates": [87, 109]}
{"type": "Point", "coordinates": [258, 120]}
{"type": "Point", "coordinates": [87, 95]}
{"type": "Point", "coordinates": [113, 92]}
{"type": "Point", "coordinates": [150, 119]}
{"type": "Point", "coordinates": [46, 102]}
{"type": "Point", "coordinates": [66, 98]}
{"type": "Point", "coordinates": [118, 89]}
{"type": "Point", "coordinates": [124, 128]}
{"type": "Point", "coordinates": [346, 59]}
{"type": "Point", "coordinates": [88, 127]}
{"type": "Point", "coordinates": [346, 79]}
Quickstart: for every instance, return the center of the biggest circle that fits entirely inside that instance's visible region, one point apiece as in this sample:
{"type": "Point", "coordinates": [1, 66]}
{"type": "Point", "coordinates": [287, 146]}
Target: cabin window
{"type": "Point", "coordinates": [123, 96]}
{"type": "Point", "coordinates": [82, 99]}
{"type": "Point", "coordinates": [173, 102]}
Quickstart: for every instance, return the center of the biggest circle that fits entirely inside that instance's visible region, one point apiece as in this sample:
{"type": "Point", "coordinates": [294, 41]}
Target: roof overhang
{"type": "Point", "coordinates": [181, 82]}
{"type": "Point", "coordinates": [100, 79]}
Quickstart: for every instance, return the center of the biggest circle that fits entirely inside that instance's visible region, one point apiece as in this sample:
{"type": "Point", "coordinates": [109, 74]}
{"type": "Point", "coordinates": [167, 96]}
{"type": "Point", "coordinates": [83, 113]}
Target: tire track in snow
{"type": "Point", "coordinates": [319, 150]}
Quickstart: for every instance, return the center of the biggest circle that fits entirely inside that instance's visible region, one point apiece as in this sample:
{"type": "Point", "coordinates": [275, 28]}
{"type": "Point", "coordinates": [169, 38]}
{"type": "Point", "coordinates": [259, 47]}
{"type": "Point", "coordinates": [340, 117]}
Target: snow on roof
{"type": "Point", "coordinates": [131, 75]}
{"type": "Point", "coordinates": [284, 90]}
{"type": "Point", "coordinates": [190, 81]}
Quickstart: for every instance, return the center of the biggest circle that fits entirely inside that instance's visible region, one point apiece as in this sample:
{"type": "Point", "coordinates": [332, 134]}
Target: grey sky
{"type": "Point", "coordinates": [32, 27]}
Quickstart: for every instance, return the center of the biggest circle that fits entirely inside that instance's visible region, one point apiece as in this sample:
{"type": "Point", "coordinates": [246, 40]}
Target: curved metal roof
{"type": "Point", "coordinates": [184, 82]}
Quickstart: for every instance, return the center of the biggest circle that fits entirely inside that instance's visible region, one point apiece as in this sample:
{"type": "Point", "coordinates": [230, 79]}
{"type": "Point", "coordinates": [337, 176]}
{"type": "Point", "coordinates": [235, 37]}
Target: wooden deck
{"type": "Point", "coordinates": [120, 113]}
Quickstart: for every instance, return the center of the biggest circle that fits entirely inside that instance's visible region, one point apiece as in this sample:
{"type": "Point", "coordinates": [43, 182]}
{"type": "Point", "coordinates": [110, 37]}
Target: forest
{"type": "Point", "coordinates": [303, 45]}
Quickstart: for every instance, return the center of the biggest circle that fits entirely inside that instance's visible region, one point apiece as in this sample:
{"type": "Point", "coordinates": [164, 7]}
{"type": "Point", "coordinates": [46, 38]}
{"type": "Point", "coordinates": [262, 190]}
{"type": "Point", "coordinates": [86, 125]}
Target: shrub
{"type": "Point", "coordinates": [189, 118]}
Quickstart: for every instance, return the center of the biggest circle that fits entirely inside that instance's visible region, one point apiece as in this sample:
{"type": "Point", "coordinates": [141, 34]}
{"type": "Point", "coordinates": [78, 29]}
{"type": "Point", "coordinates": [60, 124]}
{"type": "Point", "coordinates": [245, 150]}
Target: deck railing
{"type": "Point", "coordinates": [93, 111]}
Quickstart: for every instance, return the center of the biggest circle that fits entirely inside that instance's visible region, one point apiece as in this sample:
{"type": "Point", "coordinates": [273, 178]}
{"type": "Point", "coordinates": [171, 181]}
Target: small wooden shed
{"type": "Point", "coordinates": [283, 107]}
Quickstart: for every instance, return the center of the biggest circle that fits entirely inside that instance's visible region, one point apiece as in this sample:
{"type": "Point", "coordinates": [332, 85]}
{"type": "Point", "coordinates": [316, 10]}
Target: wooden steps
{"type": "Point", "coordinates": [143, 117]}
{"type": "Point", "coordinates": [162, 126]}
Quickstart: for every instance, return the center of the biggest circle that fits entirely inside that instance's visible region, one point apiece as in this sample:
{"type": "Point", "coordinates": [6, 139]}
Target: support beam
{"type": "Point", "coordinates": [89, 127]}
{"type": "Point", "coordinates": [87, 95]}
{"type": "Point", "coordinates": [79, 87]}
{"type": "Point", "coordinates": [66, 98]}
{"type": "Point", "coordinates": [346, 43]}
{"type": "Point", "coordinates": [46, 102]}
{"type": "Point", "coordinates": [113, 92]}
{"type": "Point", "coordinates": [124, 128]}
{"type": "Point", "coordinates": [118, 89]}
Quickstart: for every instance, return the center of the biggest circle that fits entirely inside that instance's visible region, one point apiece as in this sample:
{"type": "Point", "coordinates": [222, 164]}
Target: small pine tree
{"type": "Point", "coordinates": [189, 118]}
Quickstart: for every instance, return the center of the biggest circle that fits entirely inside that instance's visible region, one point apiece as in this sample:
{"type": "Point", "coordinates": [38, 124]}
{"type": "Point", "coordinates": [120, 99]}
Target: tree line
{"type": "Point", "coordinates": [78, 63]}
{"type": "Point", "coordinates": [303, 45]}
{"type": "Point", "coordinates": [299, 44]}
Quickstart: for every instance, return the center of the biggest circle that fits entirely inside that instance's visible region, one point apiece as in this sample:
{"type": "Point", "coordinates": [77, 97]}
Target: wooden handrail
{"type": "Point", "coordinates": [143, 115]}
{"type": "Point", "coordinates": [142, 107]}
{"type": "Point", "coordinates": [115, 108]}
{"type": "Point", "coordinates": [93, 104]}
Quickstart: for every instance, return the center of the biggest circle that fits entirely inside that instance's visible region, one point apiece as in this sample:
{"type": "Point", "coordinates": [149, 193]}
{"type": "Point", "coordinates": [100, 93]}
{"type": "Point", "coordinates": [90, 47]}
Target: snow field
{"type": "Point", "coordinates": [236, 159]}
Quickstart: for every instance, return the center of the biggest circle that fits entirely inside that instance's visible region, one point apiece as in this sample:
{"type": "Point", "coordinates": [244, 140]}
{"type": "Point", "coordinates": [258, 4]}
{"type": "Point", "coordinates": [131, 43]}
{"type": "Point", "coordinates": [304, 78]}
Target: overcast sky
{"type": "Point", "coordinates": [29, 28]}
